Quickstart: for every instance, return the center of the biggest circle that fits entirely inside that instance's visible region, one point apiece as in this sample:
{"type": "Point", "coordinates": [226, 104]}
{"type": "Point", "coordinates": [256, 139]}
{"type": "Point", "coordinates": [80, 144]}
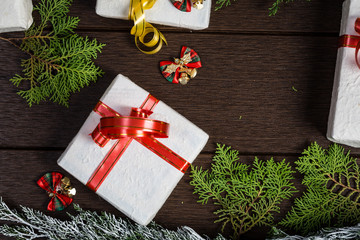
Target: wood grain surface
{"type": "Point", "coordinates": [243, 96]}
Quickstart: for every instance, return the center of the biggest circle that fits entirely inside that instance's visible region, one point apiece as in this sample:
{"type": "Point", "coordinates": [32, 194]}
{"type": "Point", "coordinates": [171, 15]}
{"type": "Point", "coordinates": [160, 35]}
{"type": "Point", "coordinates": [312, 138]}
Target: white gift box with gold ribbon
{"type": "Point", "coordinates": [15, 15]}
{"type": "Point", "coordinates": [141, 180]}
{"type": "Point", "coordinates": [163, 12]}
{"type": "Point", "coordinates": [344, 117]}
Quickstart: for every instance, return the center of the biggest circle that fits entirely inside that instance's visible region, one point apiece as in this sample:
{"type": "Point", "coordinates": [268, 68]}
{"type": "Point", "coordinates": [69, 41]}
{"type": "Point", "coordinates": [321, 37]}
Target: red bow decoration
{"type": "Point", "coordinates": [181, 69]}
{"type": "Point", "coordinates": [54, 183]}
{"type": "Point", "coordinates": [352, 41]}
{"type": "Point", "coordinates": [185, 5]}
{"type": "Point", "coordinates": [137, 127]}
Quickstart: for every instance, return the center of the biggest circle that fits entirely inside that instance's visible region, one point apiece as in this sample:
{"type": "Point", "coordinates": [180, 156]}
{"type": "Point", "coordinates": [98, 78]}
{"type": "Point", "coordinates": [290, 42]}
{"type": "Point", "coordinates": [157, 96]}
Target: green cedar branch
{"type": "Point", "coordinates": [220, 4]}
{"type": "Point", "coordinates": [60, 61]}
{"type": "Point", "coordinates": [245, 198]}
{"type": "Point", "coordinates": [276, 6]}
{"type": "Point", "coordinates": [272, 10]}
{"type": "Point", "coordinates": [333, 190]}
{"type": "Point", "coordinates": [86, 225]}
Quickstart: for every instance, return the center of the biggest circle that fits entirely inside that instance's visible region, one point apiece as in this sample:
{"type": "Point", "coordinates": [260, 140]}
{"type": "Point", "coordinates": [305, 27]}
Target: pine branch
{"type": "Point", "coordinates": [333, 193]}
{"type": "Point", "coordinates": [32, 224]}
{"type": "Point", "coordinates": [246, 198]}
{"type": "Point", "coordinates": [60, 62]}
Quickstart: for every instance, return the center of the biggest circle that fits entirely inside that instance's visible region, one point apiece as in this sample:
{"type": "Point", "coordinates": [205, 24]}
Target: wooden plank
{"type": "Point", "coordinates": [180, 209]}
{"type": "Point", "coordinates": [243, 76]}
{"type": "Point", "coordinates": [241, 16]}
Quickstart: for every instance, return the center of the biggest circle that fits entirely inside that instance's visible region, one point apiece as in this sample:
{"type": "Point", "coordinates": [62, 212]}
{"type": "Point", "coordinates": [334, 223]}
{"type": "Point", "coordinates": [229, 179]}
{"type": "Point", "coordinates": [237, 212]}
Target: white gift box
{"type": "Point", "coordinates": [15, 15]}
{"type": "Point", "coordinates": [163, 12]}
{"type": "Point", "coordinates": [141, 181]}
{"type": "Point", "coordinates": [344, 117]}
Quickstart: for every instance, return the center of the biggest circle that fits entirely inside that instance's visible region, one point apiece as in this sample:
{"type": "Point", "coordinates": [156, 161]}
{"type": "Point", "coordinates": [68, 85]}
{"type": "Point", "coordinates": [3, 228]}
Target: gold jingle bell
{"type": "Point", "coordinates": [184, 79]}
{"type": "Point", "coordinates": [198, 4]}
{"type": "Point", "coordinates": [66, 187]}
{"type": "Point", "coordinates": [192, 73]}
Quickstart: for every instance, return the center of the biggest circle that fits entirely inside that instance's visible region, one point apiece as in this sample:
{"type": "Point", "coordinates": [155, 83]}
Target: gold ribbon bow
{"type": "Point", "coordinates": [142, 28]}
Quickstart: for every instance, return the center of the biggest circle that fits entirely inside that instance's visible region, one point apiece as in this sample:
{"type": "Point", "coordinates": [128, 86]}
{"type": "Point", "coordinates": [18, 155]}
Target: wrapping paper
{"type": "Point", "coordinates": [344, 117]}
{"type": "Point", "coordinates": [163, 12]}
{"type": "Point", "coordinates": [15, 15]}
{"type": "Point", "coordinates": [141, 181]}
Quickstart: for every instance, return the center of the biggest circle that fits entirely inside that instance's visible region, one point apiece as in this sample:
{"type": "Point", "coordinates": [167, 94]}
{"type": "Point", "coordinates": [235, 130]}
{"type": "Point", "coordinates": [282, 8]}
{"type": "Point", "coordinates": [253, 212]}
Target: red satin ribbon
{"type": "Point", "coordinates": [352, 41]}
{"type": "Point", "coordinates": [137, 127]}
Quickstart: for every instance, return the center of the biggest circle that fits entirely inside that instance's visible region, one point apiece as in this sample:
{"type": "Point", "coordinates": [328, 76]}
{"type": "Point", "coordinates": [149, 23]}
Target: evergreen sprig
{"type": "Point", "coordinates": [220, 4]}
{"type": "Point", "coordinates": [333, 190]}
{"type": "Point", "coordinates": [246, 198]}
{"type": "Point", "coordinates": [86, 225]}
{"type": "Point", "coordinates": [276, 6]}
{"type": "Point", "coordinates": [272, 10]}
{"type": "Point", "coordinates": [60, 61]}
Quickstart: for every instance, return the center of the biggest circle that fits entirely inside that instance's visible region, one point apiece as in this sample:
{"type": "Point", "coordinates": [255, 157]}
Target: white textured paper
{"type": "Point", "coordinates": [163, 12]}
{"type": "Point", "coordinates": [141, 181]}
{"type": "Point", "coordinates": [344, 117]}
{"type": "Point", "coordinates": [15, 15]}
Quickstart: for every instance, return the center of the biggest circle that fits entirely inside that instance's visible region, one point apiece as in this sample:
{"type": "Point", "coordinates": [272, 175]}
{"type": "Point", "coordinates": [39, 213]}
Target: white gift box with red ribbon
{"type": "Point", "coordinates": [140, 181]}
{"type": "Point", "coordinates": [15, 15]}
{"type": "Point", "coordinates": [344, 117]}
{"type": "Point", "coordinates": [163, 12]}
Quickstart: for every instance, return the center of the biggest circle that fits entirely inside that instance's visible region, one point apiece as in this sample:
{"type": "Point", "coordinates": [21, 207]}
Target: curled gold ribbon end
{"type": "Point", "coordinates": [142, 28]}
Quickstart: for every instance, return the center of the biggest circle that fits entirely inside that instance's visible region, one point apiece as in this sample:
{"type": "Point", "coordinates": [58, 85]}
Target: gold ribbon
{"type": "Point", "coordinates": [142, 28]}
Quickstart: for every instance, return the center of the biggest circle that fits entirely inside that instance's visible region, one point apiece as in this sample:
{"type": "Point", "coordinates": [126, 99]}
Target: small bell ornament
{"type": "Point", "coordinates": [184, 79]}
{"type": "Point", "coordinates": [198, 4]}
{"type": "Point", "coordinates": [66, 187]}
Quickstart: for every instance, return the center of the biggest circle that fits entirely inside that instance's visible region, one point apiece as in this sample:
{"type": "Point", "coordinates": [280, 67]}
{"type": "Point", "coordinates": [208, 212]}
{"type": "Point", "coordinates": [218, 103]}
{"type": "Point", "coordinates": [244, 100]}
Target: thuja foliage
{"type": "Point", "coordinates": [272, 10]}
{"type": "Point", "coordinates": [276, 6]}
{"type": "Point", "coordinates": [221, 3]}
{"type": "Point", "coordinates": [246, 197]}
{"type": "Point", "coordinates": [59, 61]}
{"type": "Point", "coordinates": [86, 225]}
{"type": "Point", "coordinates": [333, 190]}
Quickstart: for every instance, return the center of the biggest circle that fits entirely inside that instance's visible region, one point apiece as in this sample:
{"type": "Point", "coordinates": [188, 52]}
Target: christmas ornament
{"type": "Point", "coordinates": [59, 190]}
{"type": "Point", "coordinates": [185, 5]}
{"type": "Point", "coordinates": [182, 69]}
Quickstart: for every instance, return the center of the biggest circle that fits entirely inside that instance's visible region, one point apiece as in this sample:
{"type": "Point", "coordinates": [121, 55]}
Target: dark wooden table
{"type": "Point", "coordinates": [251, 62]}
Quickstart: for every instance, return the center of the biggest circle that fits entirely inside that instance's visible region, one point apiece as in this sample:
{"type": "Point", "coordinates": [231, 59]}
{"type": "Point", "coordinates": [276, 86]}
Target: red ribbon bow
{"type": "Point", "coordinates": [185, 5]}
{"type": "Point", "coordinates": [137, 127]}
{"type": "Point", "coordinates": [188, 61]}
{"type": "Point", "coordinates": [352, 41]}
{"type": "Point", "coordinates": [182, 5]}
{"type": "Point", "coordinates": [50, 182]}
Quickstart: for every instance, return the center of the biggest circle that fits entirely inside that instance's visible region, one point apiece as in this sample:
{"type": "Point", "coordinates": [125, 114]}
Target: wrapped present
{"type": "Point", "coordinates": [163, 12]}
{"type": "Point", "coordinates": [137, 151]}
{"type": "Point", "coordinates": [344, 117]}
{"type": "Point", "coordinates": [15, 15]}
